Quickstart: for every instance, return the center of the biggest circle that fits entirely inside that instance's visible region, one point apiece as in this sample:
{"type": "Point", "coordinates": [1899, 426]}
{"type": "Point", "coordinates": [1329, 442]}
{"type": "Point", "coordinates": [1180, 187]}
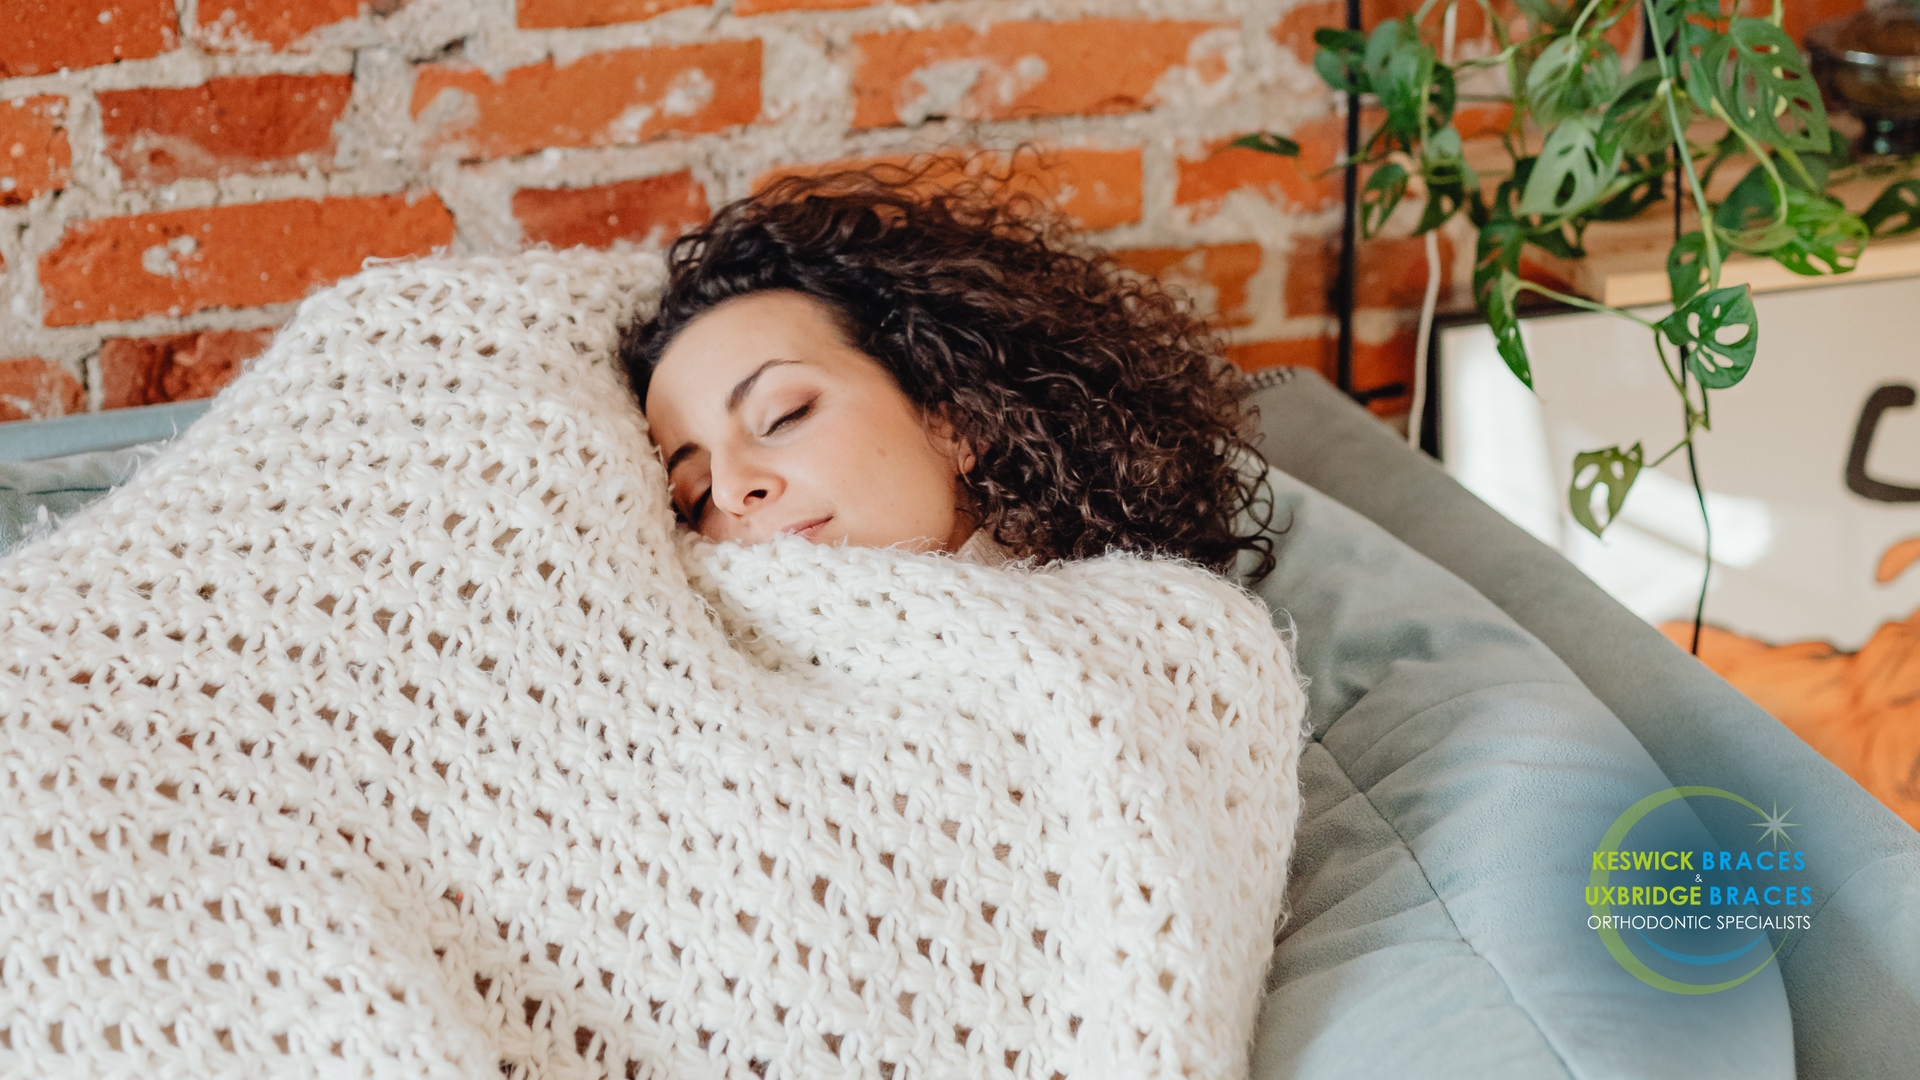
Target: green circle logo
{"type": "Point", "coordinates": [1603, 898]}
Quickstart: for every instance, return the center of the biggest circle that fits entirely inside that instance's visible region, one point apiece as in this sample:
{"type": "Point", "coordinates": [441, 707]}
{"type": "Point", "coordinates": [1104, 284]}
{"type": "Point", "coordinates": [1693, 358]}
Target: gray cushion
{"type": "Point", "coordinates": [51, 468]}
{"type": "Point", "coordinates": [1458, 778]}
{"type": "Point", "coordinates": [36, 495]}
{"type": "Point", "coordinates": [1853, 980]}
{"type": "Point", "coordinates": [31, 440]}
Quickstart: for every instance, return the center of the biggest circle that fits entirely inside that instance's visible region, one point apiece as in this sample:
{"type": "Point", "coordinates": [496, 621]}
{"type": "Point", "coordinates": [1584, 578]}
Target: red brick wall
{"type": "Point", "coordinates": [175, 175]}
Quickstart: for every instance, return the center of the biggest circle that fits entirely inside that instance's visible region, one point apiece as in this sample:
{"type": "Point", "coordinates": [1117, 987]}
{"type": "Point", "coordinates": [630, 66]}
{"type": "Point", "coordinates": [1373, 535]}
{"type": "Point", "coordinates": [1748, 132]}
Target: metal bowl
{"type": "Point", "coordinates": [1869, 62]}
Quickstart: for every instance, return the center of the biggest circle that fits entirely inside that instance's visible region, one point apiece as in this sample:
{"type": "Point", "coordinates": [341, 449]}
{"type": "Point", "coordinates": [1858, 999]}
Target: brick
{"type": "Point", "coordinates": [1295, 29]}
{"type": "Point", "coordinates": [35, 389]}
{"type": "Point", "coordinates": [1304, 183]}
{"type": "Point", "coordinates": [552, 14]}
{"type": "Point", "coordinates": [1095, 189]}
{"type": "Point", "coordinates": [1215, 277]}
{"type": "Point", "coordinates": [1470, 22]}
{"type": "Point", "coordinates": [1309, 352]}
{"type": "Point", "coordinates": [1019, 69]}
{"type": "Point", "coordinates": [763, 7]}
{"type": "Point", "coordinates": [1391, 273]}
{"type": "Point", "coordinates": [652, 210]}
{"type": "Point", "coordinates": [247, 124]}
{"type": "Point", "coordinates": [44, 36]}
{"type": "Point", "coordinates": [177, 367]}
{"type": "Point", "coordinates": [603, 99]}
{"type": "Point", "coordinates": [1482, 121]}
{"type": "Point", "coordinates": [182, 261]}
{"type": "Point", "coordinates": [247, 25]}
{"type": "Point", "coordinates": [1625, 34]}
{"type": "Point", "coordinates": [1375, 363]}
{"type": "Point", "coordinates": [34, 153]}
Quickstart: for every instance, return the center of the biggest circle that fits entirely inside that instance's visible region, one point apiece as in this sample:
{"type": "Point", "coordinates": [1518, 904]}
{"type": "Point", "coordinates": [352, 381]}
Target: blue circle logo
{"type": "Point", "coordinates": [1681, 914]}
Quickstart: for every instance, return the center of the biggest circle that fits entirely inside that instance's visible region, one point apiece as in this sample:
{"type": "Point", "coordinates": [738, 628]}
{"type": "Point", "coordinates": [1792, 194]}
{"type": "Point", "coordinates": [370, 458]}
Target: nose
{"type": "Point", "coordinates": [742, 485]}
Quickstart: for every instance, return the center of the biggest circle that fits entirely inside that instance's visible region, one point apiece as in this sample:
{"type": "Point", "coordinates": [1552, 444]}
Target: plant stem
{"type": "Point", "coordinates": [1706, 524]}
{"type": "Point", "coordinates": [1800, 167]}
{"type": "Point", "coordinates": [1499, 27]}
{"type": "Point", "coordinates": [1583, 302]}
{"type": "Point", "coordinates": [1687, 417]}
{"type": "Point", "coordinates": [1680, 147]}
{"type": "Point", "coordinates": [1584, 14]}
{"type": "Point", "coordinates": [1722, 149]}
{"type": "Point", "coordinates": [1675, 448]}
{"type": "Point", "coordinates": [1660, 350]}
{"type": "Point", "coordinates": [1343, 285]}
{"type": "Point", "coordinates": [1766, 161]}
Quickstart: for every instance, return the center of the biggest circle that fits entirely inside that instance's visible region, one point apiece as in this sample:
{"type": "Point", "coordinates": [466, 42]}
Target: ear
{"type": "Point", "coordinates": [940, 432]}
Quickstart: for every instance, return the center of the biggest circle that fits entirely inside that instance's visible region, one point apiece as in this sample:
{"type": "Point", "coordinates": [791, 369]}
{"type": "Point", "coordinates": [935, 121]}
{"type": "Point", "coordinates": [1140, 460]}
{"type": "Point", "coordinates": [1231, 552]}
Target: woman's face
{"type": "Point", "coordinates": [771, 422]}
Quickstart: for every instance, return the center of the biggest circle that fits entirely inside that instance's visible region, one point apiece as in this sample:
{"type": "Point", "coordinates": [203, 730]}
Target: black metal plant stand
{"type": "Point", "coordinates": [1343, 281]}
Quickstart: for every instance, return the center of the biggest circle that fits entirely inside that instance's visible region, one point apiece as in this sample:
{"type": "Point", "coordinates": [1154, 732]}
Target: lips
{"type": "Point", "coordinates": [805, 529]}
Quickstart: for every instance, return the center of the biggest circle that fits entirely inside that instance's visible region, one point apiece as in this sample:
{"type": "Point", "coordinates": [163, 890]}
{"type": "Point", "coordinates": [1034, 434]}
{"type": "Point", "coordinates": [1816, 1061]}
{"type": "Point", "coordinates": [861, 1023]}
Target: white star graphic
{"type": "Point", "coordinates": [1776, 825]}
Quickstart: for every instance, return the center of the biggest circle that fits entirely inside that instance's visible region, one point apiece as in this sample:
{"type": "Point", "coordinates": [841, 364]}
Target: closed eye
{"type": "Point", "coordinates": [793, 417]}
{"type": "Point", "coordinates": [698, 510]}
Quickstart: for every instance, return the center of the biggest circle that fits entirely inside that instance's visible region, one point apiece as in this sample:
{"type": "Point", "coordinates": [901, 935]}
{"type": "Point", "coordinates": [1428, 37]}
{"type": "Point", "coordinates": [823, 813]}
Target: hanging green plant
{"type": "Point", "coordinates": [1609, 143]}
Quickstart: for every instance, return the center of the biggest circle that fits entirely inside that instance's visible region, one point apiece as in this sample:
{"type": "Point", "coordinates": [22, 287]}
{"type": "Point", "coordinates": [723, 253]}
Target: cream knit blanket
{"type": "Point", "coordinates": [382, 727]}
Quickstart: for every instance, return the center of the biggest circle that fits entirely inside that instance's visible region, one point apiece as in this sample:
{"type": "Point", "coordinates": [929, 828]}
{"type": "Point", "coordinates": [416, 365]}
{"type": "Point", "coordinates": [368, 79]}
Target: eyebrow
{"type": "Point", "coordinates": [734, 399]}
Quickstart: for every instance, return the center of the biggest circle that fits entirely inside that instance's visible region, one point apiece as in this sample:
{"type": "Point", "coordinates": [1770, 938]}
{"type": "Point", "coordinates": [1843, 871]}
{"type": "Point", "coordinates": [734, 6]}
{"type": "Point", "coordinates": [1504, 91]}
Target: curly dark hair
{"type": "Point", "coordinates": [1098, 407]}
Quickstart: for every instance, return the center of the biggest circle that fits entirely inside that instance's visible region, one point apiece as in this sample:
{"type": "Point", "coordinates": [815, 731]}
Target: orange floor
{"type": "Point", "coordinates": [1861, 710]}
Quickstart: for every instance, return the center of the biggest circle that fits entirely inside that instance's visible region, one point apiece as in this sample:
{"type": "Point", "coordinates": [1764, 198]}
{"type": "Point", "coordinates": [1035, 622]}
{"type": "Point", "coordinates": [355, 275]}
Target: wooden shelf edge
{"type": "Point", "coordinates": [1635, 279]}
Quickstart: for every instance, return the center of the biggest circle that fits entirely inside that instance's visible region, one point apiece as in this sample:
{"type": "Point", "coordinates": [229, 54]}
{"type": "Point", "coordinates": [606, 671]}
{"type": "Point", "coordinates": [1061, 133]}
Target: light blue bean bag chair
{"type": "Point", "coordinates": [1482, 713]}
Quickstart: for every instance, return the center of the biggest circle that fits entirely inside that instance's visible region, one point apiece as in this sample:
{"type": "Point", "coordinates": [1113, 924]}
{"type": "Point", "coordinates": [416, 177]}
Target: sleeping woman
{"type": "Point", "coordinates": [860, 362]}
{"type": "Point", "coordinates": [390, 728]}
{"type": "Point", "coordinates": [856, 360]}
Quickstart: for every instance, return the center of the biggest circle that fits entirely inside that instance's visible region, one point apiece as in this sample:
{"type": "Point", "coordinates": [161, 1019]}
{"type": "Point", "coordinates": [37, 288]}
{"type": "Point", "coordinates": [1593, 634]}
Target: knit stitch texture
{"type": "Point", "coordinates": [384, 726]}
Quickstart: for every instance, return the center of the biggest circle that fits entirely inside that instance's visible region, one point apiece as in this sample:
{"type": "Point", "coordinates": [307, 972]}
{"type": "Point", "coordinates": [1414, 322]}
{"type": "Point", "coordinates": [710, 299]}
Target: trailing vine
{"type": "Point", "coordinates": [1590, 142]}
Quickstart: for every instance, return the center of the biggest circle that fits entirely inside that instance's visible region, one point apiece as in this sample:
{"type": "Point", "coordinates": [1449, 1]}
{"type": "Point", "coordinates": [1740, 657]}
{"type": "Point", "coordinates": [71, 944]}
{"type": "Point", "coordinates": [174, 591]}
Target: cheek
{"type": "Point", "coordinates": [911, 482]}
{"type": "Point", "coordinates": [883, 476]}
